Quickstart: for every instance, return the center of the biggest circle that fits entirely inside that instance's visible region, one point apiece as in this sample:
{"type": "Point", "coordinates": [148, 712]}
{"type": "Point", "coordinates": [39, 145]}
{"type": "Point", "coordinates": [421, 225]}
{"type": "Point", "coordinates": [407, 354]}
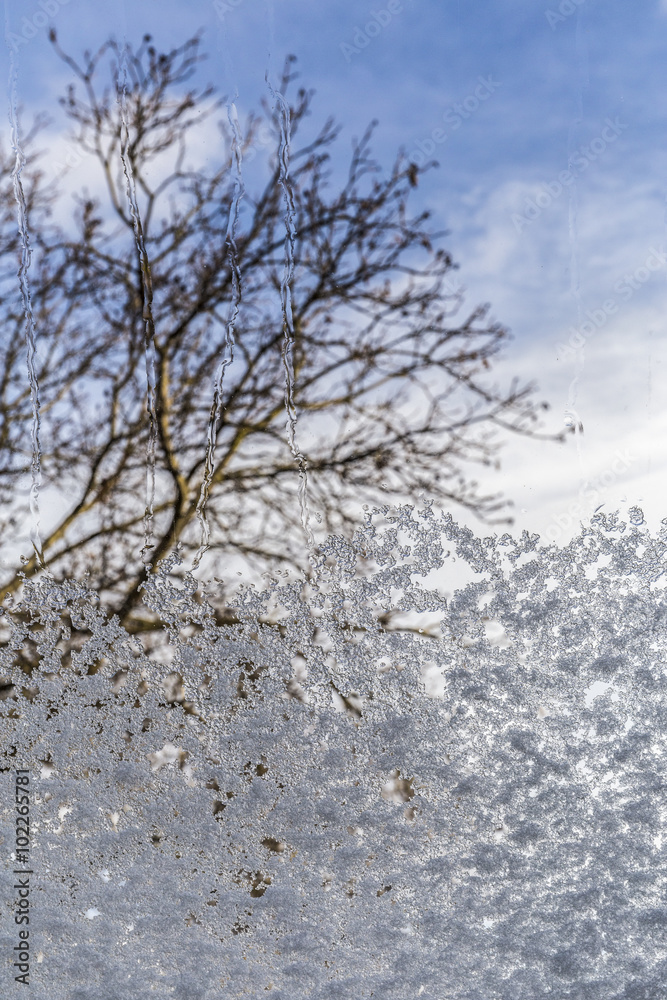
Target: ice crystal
{"type": "Point", "coordinates": [323, 801]}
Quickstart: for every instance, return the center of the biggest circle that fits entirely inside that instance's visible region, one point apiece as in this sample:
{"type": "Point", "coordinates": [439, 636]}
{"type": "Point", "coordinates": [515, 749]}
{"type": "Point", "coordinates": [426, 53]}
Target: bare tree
{"type": "Point", "coordinates": [175, 280]}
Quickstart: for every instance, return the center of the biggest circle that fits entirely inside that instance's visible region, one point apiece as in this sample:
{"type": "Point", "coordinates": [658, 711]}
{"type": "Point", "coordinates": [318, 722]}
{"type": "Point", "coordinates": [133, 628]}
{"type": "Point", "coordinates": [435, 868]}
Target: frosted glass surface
{"type": "Point", "coordinates": [324, 808]}
{"type": "Point", "coordinates": [333, 625]}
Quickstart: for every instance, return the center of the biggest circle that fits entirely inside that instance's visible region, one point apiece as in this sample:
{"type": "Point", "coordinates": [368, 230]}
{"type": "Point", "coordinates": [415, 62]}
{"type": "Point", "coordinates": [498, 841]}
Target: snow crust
{"type": "Point", "coordinates": [307, 804]}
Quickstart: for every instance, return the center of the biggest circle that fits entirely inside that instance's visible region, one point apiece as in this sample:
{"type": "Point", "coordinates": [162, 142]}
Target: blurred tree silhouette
{"type": "Point", "coordinates": [390, 377]}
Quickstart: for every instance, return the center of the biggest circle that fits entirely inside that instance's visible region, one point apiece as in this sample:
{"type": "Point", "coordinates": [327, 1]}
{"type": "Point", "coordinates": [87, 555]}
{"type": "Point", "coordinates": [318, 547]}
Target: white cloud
{"type": "Point", "coordinates": [617, 382]}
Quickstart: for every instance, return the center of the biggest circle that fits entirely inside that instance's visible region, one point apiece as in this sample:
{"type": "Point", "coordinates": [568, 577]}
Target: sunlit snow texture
{"type": "Point", "coordinates": [306, 805]}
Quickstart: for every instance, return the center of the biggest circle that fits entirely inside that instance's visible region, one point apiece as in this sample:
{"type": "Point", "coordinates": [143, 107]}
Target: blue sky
{"type": "Point", "coordinates": [585, 89]}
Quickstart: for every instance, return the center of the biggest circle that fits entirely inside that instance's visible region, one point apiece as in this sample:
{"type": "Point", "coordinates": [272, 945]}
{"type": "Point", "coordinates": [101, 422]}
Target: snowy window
{"type": "Point", "coordinates": [333, 616]}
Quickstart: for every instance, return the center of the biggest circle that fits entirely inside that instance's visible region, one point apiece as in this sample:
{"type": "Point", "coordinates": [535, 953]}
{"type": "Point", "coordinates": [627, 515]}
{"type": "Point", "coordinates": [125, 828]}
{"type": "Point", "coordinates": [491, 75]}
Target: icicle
{"type": "Point", "coordinates": [288, 318]}
{"type": "Point", "coordinates": [228, 351]}
{"type": "Point", "coordinates": [149, 337]}
{"type": "Point", "coordinates": [30, 332]}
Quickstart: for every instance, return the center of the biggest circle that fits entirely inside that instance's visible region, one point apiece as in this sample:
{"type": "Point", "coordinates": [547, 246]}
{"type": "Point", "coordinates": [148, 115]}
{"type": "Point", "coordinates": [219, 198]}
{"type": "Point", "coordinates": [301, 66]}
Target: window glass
{"type": "Point", "coordinates": [331, 645]}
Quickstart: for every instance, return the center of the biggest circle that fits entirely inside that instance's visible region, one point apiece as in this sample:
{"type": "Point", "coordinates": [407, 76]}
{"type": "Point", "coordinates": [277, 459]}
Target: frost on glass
{"type": "Point", "coordinates": [354, 785]}
{"type": "Point", "coordinates": [308, 804]}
